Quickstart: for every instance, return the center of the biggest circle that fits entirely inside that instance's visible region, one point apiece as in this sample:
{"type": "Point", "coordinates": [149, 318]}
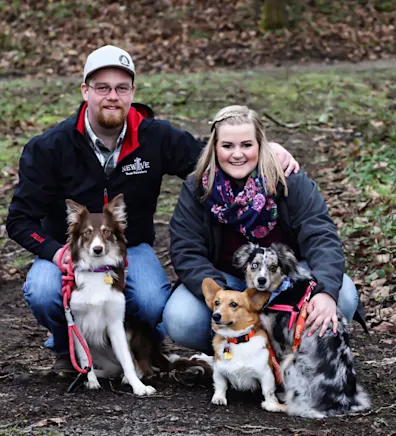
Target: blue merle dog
{"type": "Point", "coordinates": [319, 379]}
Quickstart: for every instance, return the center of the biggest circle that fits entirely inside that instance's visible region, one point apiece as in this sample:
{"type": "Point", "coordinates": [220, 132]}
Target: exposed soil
{"type": "Point", "coordinates": [33, 400]}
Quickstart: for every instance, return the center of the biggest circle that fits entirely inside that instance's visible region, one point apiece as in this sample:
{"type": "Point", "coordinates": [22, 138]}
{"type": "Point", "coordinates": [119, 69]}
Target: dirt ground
{"type": "Point", "coordinates": [34, 401]}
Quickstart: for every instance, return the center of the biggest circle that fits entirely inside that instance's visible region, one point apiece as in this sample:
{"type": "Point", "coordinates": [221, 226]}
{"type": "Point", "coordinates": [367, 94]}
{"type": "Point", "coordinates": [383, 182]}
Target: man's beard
{"type": "Point", "coordinates": [111, 121]}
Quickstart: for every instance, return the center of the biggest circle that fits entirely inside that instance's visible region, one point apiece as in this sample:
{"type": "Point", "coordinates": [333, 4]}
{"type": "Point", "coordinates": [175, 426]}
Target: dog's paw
{"type": "Point", "coordinates": [273, 406]}
{"type": "Point", "coordinates": [143, 389]}
{"type": "Point", "coordinates": [219, 400]}
{"type": "Point", "coordinates": [92, 383]}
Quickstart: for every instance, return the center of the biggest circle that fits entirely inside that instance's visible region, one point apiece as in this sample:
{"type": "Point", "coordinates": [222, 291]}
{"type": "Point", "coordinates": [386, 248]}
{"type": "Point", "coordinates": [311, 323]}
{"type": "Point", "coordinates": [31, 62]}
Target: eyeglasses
{"type": "Point", "coordinates": [121, 90]}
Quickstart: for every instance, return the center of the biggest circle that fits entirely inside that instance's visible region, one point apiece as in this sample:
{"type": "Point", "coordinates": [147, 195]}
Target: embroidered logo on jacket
{"type": "Point", "coordinates": [138, 167]}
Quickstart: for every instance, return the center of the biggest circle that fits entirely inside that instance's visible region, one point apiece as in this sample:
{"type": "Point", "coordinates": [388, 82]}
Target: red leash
{"type": "Point", "coordinates": [67, 285]}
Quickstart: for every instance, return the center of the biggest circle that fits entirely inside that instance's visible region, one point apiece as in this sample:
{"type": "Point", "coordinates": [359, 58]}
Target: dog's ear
{"type": "Point", "coordinates": [256, 298]}
{"type": "Point", "coordinates": [117, 208]}
{"type": "Point", "coordinates": [210, 289]}
{"type": "Point", "coordinates": [74, 211]}
{"type": "Point", "coordinates": [242, 255]}
{"type": "Point", "coordinates": [287, 260]}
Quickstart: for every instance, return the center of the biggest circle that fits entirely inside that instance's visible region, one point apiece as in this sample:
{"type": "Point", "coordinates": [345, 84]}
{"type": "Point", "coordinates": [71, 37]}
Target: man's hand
{"type": "Point", "coordinates": [287, 161]}
{"type": "Point", "coordinates": [322, 311]}
{"type": "Point", "coordinates": [66, 257]}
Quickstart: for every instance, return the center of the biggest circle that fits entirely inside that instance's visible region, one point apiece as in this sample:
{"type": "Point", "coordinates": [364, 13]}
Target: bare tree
{"type": "Point", "coordinates": [274, 14]}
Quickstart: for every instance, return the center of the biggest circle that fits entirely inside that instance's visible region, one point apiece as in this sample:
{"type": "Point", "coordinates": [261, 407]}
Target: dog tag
{"type": "Point", "coordinates": [108, 280]}
{"type": "Point", "coordinates": [227, 354]}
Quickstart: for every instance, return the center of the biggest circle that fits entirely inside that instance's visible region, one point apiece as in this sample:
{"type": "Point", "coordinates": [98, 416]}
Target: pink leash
{"type": "Point", "coordinates": [287, 308]}
{"type": "Point", "coordinates": [67, 285]}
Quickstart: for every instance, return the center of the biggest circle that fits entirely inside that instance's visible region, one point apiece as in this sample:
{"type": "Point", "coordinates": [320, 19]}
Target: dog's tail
{"type": "Point", "coordinates": [362, 401]}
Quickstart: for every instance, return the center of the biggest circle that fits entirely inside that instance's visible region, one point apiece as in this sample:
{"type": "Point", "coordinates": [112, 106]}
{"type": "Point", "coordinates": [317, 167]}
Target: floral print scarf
{"type": "Point", "coordinates": [248, 210]}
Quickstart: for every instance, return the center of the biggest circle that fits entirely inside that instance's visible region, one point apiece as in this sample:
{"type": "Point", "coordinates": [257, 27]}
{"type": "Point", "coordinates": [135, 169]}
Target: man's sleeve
{"type": "Point", "coordinates": [32, 199]}
{"type": "Point", "coordinates": [180, 152]}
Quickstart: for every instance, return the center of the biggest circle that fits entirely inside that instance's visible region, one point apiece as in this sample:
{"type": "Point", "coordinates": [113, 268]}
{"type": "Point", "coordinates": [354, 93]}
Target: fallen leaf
{"type": "Point", "coordinates": [48, 421]}
{"type": "Point", "coordinates": [383, 258]}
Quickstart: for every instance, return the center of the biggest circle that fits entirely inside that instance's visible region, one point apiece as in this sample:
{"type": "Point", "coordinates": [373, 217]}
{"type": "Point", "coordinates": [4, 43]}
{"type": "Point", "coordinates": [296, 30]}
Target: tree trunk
{"type": "Point", "coordinates": [274, 15]}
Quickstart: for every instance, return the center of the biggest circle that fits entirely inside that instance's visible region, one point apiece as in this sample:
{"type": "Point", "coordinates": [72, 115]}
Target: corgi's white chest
{"type": "Point", "coordinates": [244, 364]}
{"type": "Point", "coordinates": [95, 305]}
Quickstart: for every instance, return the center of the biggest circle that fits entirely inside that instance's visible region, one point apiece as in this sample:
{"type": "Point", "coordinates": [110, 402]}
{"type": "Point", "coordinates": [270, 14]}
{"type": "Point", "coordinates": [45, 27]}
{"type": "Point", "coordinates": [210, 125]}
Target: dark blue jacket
{"type": "Point", "coordinates": [196, 236]}
{"type": "Point", "coordinates": [61, 164]}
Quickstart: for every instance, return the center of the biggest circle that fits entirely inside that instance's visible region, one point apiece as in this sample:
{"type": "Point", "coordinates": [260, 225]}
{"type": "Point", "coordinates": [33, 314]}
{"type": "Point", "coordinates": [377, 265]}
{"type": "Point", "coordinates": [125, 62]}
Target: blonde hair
{"type": "Point", "coordinates": [268, 164]}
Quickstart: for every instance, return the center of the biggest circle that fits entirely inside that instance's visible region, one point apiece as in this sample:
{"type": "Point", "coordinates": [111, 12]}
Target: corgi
{"type": "Point", "coordinates": [319, 378]}
{"type": "Point", "coordinates": [98, 253]}
{"type": "Point", "coordinates": [241, 357]}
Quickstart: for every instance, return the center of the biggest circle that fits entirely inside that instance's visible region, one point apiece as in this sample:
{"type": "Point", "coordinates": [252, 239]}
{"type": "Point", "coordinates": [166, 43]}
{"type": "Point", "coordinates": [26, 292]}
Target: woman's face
{"type": "Point", "coordinates": [237, 150]}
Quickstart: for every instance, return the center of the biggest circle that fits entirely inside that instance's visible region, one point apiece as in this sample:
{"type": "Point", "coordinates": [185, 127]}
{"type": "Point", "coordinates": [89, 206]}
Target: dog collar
{"type": "Point", "coordinates": [243, 338]}
{"type": "Point", "coordinates": [283, 287]}
{"type": "Point", "coordinates": [103, 268]}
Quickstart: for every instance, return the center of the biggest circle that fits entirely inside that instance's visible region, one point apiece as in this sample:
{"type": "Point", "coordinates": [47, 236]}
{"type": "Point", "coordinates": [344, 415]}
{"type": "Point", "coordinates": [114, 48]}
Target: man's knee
{"type": "Point", "coordinates": [42, 291]}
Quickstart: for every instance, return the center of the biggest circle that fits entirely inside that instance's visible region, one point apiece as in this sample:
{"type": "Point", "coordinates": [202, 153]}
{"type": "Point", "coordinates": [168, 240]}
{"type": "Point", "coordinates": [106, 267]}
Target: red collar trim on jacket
{"type": "Point", "coordinates": [131, 141]}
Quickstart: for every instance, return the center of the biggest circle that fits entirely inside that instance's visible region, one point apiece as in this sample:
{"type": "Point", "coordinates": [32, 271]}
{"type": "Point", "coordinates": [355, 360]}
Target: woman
{"type": "Point", "coordinates": [235, 165]}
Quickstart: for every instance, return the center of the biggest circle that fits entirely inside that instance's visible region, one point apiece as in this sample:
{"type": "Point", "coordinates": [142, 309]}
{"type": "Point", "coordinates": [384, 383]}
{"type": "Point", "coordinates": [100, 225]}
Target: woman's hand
{"type": "Point", "coordinates": [322, 311]}
{"type": "Point", "coordinates": [287, 161]}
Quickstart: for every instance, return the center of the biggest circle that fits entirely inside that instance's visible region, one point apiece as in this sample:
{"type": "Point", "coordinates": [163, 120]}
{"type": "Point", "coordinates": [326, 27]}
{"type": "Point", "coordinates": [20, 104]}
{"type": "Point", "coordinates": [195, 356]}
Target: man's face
{"type": "Point", "coordinates": [108, 111]}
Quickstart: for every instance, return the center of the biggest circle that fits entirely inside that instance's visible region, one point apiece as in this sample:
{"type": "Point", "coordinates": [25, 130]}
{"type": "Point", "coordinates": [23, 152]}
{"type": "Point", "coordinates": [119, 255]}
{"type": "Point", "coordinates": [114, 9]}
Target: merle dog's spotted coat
{"type": "Point", "coordinates": [319, 379]}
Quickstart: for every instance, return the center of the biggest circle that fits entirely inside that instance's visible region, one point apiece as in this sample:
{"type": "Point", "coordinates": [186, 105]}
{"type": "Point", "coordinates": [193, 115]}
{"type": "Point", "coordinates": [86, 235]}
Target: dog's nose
{"type": "Point", "coordinates": [262, 281]}
{"type": "Point", "coordinates": [97, 249]}
{"type": "Point", "coordinates": [216, 316]}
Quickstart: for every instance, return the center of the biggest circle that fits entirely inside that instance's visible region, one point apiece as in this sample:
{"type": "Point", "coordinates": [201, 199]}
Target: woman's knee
{"type": "Point", "coordinates": [147, 286]}
{"type": "Point", "coordinates": [348, 298]}
{"type": "Point", "coordinates": [187, 320]}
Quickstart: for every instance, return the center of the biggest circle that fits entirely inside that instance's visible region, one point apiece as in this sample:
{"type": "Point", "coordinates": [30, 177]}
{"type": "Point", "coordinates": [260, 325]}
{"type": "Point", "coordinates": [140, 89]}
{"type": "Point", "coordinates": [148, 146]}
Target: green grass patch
{"type": "Point", "coordinates": [316, 100]}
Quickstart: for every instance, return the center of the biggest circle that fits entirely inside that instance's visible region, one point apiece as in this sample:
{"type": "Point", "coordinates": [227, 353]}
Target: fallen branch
{"type": "Point", "coordinates": [383, 362]}
{"type": "Point", "coordinates": [5, 376]}
{"type": "Point", "coordinates": [163, 255]}
{"type": "Point", "coordinates": [279, 123]}
{"type": "Point", "coordinates": [391, 406]}
{"type": "Point", "coordinates": [161, 222]}
{"type": "Point", "coordinates": [250, 429]}
{"type": "Point", "coordinates": [370, 412]}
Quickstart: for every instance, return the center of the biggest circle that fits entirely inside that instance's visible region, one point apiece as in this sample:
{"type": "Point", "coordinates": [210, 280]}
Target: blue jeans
{"type": "Point", "coordinates": [147, 291]}
{"type": "Point", "coordinates": [187, 319]}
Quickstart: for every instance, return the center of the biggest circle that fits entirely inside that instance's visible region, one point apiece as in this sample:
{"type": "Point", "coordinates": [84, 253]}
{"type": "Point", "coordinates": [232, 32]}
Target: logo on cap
{"type": "Point", "coordinates": [124, 60]}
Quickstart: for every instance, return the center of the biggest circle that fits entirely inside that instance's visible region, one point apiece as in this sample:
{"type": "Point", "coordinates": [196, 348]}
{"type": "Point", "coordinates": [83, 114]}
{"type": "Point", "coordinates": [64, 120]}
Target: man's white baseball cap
{"type": "Point", "coordinates": [108, 56]}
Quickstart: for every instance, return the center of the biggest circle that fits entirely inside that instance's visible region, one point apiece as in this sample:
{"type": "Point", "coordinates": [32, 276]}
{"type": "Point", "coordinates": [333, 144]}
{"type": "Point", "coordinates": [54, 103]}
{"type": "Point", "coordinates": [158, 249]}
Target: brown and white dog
{"type": "Point", "coordinates": [240, 343]}
{"type": "Point", "coordinates": [319, 377]}
{"type": "Point", "coordinates": [98, 252]}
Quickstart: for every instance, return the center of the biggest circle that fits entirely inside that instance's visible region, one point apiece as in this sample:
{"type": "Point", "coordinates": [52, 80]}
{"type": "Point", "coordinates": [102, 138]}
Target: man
{"type": "Point", "coordinates": [110, 145]}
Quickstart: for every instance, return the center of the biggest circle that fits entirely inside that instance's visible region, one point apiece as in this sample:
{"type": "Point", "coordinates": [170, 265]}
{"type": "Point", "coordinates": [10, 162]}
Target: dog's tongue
{"type": "Point", "coordinates": [283, 287]}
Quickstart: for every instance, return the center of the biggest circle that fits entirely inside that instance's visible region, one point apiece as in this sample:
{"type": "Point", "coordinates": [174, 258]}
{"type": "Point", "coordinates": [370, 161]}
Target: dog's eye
{"type": "Point", "coordinates": [254, 265]}
{"type": "Point", "coordinates": [106, 232]}
{"type": "Point", "coordinates": [273, 268]}
{"type": "Point", "coordinates": [217, 302]}
{"type": "Point", "coordinates": [233, 304]}
{"type": "Point", "coordinates": [88, 233]}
